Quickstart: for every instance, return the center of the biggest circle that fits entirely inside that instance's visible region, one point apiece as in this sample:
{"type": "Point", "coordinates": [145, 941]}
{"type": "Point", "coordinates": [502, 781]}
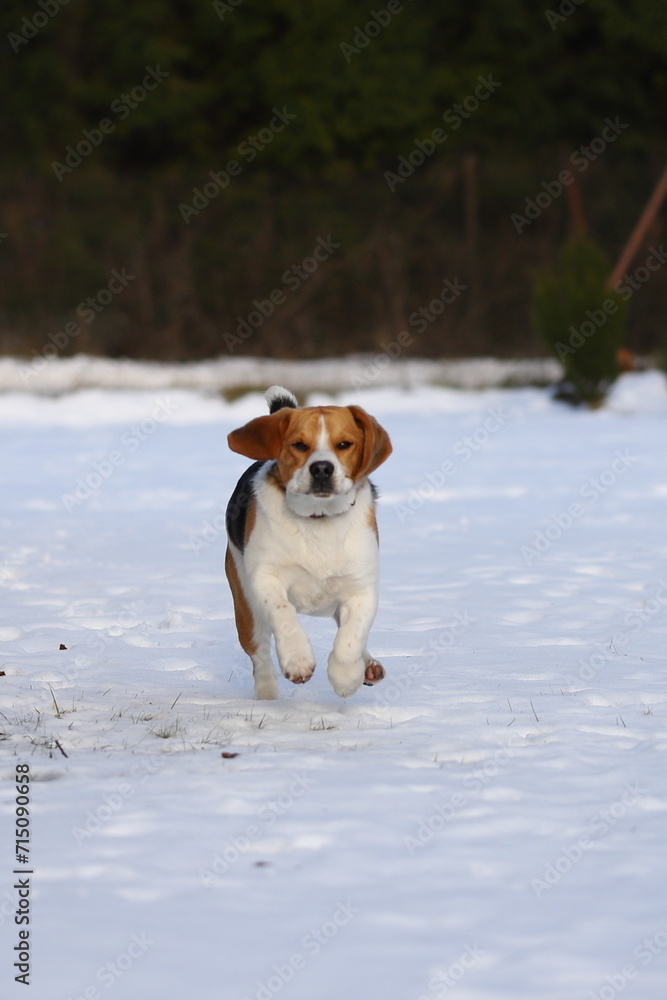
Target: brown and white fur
{"type": "Point", "coordinates": [303, 539]}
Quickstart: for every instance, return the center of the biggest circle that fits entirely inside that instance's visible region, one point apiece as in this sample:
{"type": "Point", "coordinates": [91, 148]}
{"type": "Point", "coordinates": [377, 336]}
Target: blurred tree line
{"type": "Point", "coordinates": [183, 178]}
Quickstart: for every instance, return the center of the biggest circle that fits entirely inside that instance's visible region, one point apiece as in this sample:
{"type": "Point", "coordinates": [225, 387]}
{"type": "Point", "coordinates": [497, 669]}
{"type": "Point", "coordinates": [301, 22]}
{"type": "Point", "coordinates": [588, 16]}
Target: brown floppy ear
{"type": "Point", "coordinates": [376, 444]}
{"type": "Point", "coordinates": [262, 438]}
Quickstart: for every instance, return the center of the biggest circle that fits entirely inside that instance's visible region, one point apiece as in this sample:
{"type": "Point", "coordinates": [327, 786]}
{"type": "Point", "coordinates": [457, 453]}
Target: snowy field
{"type": "Point", "coordinates": [489, 823]}
{"type": "Point", "coordinates": [43, 374]}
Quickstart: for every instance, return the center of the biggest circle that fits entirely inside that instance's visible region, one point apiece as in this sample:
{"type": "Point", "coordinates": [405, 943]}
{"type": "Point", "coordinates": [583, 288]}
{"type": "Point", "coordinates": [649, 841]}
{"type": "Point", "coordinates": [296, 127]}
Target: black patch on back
{"type": "Point", "coordinates": [237, 508]}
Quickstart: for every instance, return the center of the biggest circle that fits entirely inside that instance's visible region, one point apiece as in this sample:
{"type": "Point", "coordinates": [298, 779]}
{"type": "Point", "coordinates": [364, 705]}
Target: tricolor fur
{"type": "Point", "coordinates": [303, 539]}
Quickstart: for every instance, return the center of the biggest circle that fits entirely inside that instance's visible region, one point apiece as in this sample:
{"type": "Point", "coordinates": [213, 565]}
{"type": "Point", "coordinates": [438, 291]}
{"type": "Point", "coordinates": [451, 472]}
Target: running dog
{"type": "Point", "coordinates": [303, 539]}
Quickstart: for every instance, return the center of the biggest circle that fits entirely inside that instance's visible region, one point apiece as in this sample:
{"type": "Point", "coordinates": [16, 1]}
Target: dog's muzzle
{"type": "Point", "coordinates": [321, 473]}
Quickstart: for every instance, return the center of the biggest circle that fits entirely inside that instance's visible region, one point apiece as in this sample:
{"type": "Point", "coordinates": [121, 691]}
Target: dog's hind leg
{"type": "Point", "coordinates": [263, 669]}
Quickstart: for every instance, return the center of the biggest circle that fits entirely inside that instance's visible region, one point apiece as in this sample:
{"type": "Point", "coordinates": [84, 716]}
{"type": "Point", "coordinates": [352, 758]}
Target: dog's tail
{"type": "Point", "coordinates": [277, 397]}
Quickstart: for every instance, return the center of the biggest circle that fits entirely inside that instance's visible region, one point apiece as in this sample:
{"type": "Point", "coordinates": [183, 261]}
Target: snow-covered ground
{"type": "Point", "coordinates": [490, 822]}
{"type": "Point", "coordinates": [46, 373]}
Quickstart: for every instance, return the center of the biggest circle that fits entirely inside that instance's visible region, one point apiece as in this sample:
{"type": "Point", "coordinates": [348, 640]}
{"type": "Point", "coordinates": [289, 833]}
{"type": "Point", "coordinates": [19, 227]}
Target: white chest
{"type": "Point", "coordinates": [321, 562]}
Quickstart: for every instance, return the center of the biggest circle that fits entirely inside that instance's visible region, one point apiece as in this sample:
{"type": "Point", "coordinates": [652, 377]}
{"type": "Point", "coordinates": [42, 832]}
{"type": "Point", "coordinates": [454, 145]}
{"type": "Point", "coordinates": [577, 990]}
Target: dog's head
{"type": "Point", "coordinates": [322, 453]}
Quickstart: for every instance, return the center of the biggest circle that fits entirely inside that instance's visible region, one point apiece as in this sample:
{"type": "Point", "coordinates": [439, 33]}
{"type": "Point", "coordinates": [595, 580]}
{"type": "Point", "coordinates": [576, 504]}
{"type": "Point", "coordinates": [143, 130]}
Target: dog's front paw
{"type": "Point", "coordinates": [298, 672]}
{"type": "Point", "coordinates": [296, 659]}
{"type": "Point", "coordinates": [298, 667]}
{"type": "Point", "coordinates": [346, 677]}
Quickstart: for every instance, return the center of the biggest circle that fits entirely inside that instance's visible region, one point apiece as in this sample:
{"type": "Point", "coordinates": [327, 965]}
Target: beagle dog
{"type": "Point", "coordinates": [303, 539]}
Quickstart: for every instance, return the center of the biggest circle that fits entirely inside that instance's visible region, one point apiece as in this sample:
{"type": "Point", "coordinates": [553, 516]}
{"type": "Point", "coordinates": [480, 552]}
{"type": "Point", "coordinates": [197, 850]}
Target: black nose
{"type": "Point", "coordinates": [321, 471]}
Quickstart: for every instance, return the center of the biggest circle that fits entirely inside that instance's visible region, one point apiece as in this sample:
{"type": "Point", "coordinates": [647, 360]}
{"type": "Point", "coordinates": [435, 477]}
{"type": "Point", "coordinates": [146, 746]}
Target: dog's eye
{"type": "Point", "coordinates": [300, 446]}
{"type": "Point", "coordinates": [342, 445]}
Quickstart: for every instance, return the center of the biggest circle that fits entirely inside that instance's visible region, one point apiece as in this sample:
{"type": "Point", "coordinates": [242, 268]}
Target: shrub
{"type": "Point", "coordinates": [581, 320]}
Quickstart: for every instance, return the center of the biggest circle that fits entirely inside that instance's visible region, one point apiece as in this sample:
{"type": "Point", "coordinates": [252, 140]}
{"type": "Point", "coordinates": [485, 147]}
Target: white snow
{"type": "Point", "coordinates": [46, 373]}
{"type": "Point", "coordinates": [487, 824]}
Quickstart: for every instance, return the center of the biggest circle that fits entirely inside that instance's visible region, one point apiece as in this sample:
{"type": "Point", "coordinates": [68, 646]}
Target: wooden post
{"type": "Point", "coordinates": [471, 223]}
{"type": "Point", "coordinates": [639, 232]}
{"type": "Point", "coordinates": [576, 205]}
